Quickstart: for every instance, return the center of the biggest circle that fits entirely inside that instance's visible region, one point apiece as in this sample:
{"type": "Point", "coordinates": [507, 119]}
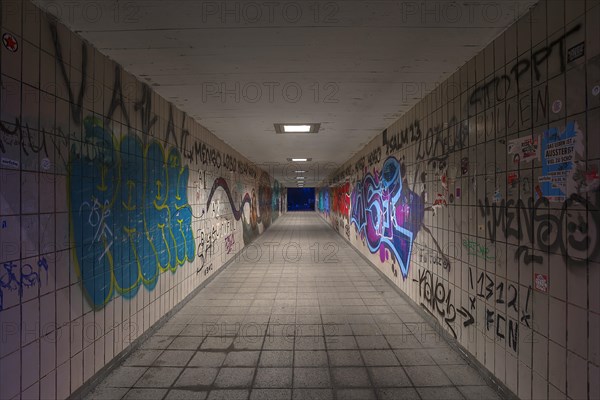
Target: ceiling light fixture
{"type": "Point", "coordinates": [299, 159]}
{"type": "Point", "coordinates": [296, 128]}
{"type": "Point", "coordinates": [300, 178]}
{"type": "Point", "coordinates": [300, 172]}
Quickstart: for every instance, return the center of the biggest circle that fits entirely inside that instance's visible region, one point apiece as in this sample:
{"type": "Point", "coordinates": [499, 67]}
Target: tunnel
{"type": "Point", "coordinates": [298, 199]}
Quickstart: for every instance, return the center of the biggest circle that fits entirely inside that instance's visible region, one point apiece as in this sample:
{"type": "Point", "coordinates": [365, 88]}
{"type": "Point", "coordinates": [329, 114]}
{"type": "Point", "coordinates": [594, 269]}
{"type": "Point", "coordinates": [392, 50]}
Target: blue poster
{"type": "Point", "coordinates": [558, 156]}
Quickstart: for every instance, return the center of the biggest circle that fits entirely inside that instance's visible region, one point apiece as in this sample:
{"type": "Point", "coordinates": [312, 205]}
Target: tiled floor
{"type": "Point", "coordinates": [325, 327]}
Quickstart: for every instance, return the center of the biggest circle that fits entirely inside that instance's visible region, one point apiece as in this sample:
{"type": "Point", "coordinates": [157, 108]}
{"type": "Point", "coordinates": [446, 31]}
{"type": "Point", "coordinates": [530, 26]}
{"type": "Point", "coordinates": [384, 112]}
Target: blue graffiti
{"type": "Point", "coordinates": [323, 203]}
{"type": "Point", "coordinates": [130, 217]}
{"type": "Point", "coordinates": [387, 214]}
{"type": "Point", "coordinates": [27, 277]}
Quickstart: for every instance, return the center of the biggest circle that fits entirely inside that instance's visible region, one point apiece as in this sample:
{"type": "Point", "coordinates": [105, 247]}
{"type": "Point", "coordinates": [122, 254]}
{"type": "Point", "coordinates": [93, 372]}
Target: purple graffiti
{"type": "Point", "coordinates": [387, 214]}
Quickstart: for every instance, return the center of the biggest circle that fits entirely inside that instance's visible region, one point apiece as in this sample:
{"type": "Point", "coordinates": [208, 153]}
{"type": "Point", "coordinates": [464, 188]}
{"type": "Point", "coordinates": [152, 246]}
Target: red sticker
{"type": "Point", "coordinates": [541, 282]}
{"type": "Point", "coordinates": [10, 42]}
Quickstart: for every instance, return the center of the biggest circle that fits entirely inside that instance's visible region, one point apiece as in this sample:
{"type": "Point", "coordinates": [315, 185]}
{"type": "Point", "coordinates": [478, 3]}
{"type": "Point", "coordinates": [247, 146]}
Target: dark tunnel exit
{"type": "Point", "coordinates": [301, 199]}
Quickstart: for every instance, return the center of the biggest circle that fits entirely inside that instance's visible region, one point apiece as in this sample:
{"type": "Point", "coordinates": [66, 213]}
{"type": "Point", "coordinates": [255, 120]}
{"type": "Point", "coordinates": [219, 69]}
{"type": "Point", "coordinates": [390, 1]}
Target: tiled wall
{"type": "Point", "coordinates": [482, 203]}
{"type": "Point", "coordinates": [113, 207]}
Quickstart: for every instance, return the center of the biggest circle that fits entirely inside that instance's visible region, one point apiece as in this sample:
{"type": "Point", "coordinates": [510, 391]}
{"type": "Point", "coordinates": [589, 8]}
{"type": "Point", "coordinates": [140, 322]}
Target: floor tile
{"type": "Point", "coordinates": [311, 377]}
{"type": "Point", "coordinates": [234, 378]}
{"type": "Point", "coordinates": [197, 377]}
{"type": "Point", "coordinates": [427, 375]}
{"type": "Point", "coordinates": [158, 377]}
{"type": "Point", "coordinates": [273, 378]}
{"type": "Point", "coordinates": [281, 330]}
{"type": "Point", "coordinates": [350, 377]}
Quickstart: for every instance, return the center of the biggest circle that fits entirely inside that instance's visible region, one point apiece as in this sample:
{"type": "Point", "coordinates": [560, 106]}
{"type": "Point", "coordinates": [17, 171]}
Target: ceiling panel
{"type": "Point", "coordinates": [353, 66]}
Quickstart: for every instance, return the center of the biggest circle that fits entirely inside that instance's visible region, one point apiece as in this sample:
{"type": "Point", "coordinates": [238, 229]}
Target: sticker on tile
{"type": "Point", "coordinates": [541, 282]}
{"type": "Point", "coordinates": [557, 106]}
{"type": "Point", "coordinates": [10, 42]}
{"type": "Point", "coordinates": [524, 149]}
{"type": "Point", "coordinates": [7, 162]}
{"type": "Point", "coordinates": [576, 52]}
{"type": "Point", "coordinates": [46, 164]}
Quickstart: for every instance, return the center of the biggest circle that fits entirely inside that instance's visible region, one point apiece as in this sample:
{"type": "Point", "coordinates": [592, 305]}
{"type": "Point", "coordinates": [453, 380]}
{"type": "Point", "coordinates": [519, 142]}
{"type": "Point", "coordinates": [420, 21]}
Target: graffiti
{"type": "Point", "coordinates": [76, 101]}
{"type": "Point", "coordinates": [15, 279]}
{"type": "Point", "coordinates": [440, 201]}
{"type": "Point", "coordinates": [438, 300]}
{"type": "Point", "coordinates": [341, 200]}
{"type": "Point", "coordinates": [199, 153]}
{"type": "Point", "coordinates": [276, 200]}
{"type": "Point", "coordinates": [387, 214]}
{"type": "Point", "coordinates": [408, 135]}
{"type": "Point", "coordinates": [144, 107]}
{"type": "Point", "coordinates": [374, 157]}
{"type": "Point", "coordinates": [499, 87]}
{"type": "Point", "coordinates": [478, 250]}
{"type": "Point", "coordinates": [206, 246]}
{"type": "Point", "coordinates": [130, 217]}
{"type": "Point", "coordinates": [429, 256]}
{"type": "Point", "coordinates": [323, 201]}
{"type": "Point", "coordinates": [485, 287]}
{"type": "Point", "coordinates": [229, 243]}
{"type": "Point", "coordinates": [206, 270]}
{"type": "Point", "coordinates": [265, 196]}
{"type": "Point", "coordinates": [97, 216]}
{"type": "Point", "coordinates": [497, 322]}
{"type": "Point", "coordinates": [464, 165]}
{"type": "Point", "coordinates": [571, 232]}
{"type": "Point", "coordinates": [447, 137]}
{"type": "Point", "coordinates": [250, 219]}
{"type": "Point", "coordinates": [222, 183]}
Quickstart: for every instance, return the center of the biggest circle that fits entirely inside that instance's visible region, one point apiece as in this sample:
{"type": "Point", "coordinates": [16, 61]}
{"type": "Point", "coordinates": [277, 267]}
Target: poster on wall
{"type": "Point", "coordinates": [559, 151]}
{"type": "Point", "coordinates": [524, 149]}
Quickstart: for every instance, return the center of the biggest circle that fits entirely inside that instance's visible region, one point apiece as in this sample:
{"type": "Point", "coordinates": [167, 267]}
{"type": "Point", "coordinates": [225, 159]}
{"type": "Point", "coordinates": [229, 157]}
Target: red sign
{"type": "Point", "coordinates": [541, 283]}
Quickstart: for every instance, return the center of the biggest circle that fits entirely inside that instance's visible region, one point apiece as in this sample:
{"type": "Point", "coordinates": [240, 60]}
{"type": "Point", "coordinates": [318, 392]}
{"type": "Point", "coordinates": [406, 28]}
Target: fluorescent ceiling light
{"type": "Point", "coordinates": [300, 177]}
{"type": "Point", "coordinates": [299, 159]}
{"type": "Point", "coordinates": [296, 128]}
{"type": "Point", "coordinates": [300, 172]}
{"type": "Point", "coordinates": [307, 127]}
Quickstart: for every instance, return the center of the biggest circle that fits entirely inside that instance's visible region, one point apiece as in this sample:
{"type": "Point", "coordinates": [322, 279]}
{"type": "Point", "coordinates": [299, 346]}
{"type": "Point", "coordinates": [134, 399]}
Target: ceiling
{"type": "Point", "coordinates": [353, 66]}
